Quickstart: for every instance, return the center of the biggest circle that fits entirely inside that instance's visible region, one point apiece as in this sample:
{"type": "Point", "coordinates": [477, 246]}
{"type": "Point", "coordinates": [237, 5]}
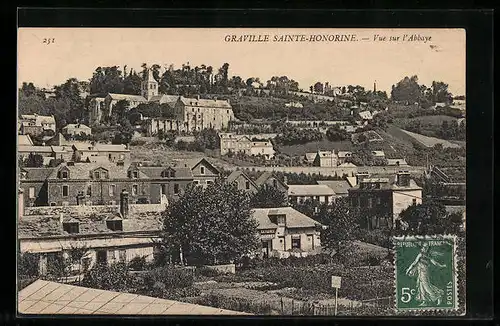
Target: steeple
{"type": "Point", "coordinates": [375, 86]}
{"type": "Point", "coordinates": [149, 86]}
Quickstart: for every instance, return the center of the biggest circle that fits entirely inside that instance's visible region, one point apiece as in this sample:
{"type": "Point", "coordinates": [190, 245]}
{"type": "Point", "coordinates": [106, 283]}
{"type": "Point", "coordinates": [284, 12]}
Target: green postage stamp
{"type": "Point", "coordinates": [426, 277]}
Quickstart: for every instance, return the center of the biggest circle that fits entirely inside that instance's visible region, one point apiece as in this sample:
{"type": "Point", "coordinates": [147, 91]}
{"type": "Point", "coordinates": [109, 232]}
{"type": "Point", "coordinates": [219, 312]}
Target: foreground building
{"type": "Point", "coordinates": [317, 193]}
{"type": "Point", "coordinates": [285, 231]}
{"type": "Point", "coordinates": [100, 183]}
{"type": "Point", "coordinates": [35, 124]}
{"type": "Point", "coordinates": [384, 198]}
{"type": "Point", "coordinates": [110, 234]}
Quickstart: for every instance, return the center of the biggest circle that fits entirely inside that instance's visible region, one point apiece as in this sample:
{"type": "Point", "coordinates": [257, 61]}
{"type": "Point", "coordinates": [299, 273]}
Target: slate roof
{"type": "Point", "coordinates": [98, 147]}
{"type": "Point", "coordinates": [366, 115]}
{"type": "Point", "coordinates": [81, 171]}
{"type": "Point", "coordinates": [135, 98]}
{"type": "Point", "coordinates": [76, 126]}
{"type": "Point", "coordinates": [378, 153]}
{"type": "Point", "coordinates": [294, 218]}
{"type": "Point", "coordinates": [310, 190]}
{"type": "Point", "coordinates": [38, 174]}
{"type": "Point", "coordinates": [338, 186]}
{"type": "Point", "coordinates": [50, 298]}
{"type": "Point", "coordinates": [31, 226]}
{"type": "Point", "coordinates": [192, 163]}
{"type": "Point", "coordinates": [347, 165]}
{"type": "Point", "coordinates": [235, 174]}
{"type": "Point", "coordinates": [154, 172]}
{"type": "Point", "coordinates": [223, 104]}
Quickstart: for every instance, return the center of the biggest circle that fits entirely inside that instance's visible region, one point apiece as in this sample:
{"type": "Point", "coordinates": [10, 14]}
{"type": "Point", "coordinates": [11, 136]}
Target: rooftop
{"type": "Point", "coordinates": [338, 186]}
{"type": "Point", "coordinates": [294, 218]}
{"type": "Point", "coordinates": [223, 104]}
{"type": "Point", "coordinates": [45, 297]}
{"type": "Point", "coordinates": [24, 140]}
{"type": "Point", "coordinates": [135, 98]}
{"type": "Point", "coordinates": [310, 190]}
{"type": "Point", "coordinates": [36, 226]}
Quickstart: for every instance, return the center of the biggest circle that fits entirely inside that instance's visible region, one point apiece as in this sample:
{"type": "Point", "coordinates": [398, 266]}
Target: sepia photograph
{"type": "Point", "coordinates": [241, 171]}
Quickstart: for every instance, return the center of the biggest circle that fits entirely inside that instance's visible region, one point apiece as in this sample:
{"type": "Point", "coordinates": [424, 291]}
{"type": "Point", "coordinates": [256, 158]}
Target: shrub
{"type": "Point", "coordinates": [137, 263]}
{"type": "Point", "coordinates": [114, 277]}
{"type": "Point", "coordinates": [171, 277]}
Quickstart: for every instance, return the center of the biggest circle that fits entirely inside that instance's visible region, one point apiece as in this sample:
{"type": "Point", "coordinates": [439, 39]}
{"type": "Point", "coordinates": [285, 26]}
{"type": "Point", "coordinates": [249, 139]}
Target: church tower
{"type": "Point", "coordinates": [375, 87]}
{"type": "Point", "coordinates": [149, 86]}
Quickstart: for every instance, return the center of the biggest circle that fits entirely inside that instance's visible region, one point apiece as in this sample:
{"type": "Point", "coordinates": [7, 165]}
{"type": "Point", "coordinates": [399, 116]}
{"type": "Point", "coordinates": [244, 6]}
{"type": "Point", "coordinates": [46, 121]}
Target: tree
{"type": "Point", "coordinates": [342, 224]}
{"type": "Point", "coordinates": [124, 134]}
{"type": "Point", "coordinates": [34, 161]}
{"type": "Point", "coordinates": [430, 217]}
{"type": "Point", "coordinates": [334, 133]}
{"type": "Point", "coordinates": [211, 225]}
{"type": "Point", "coordinates": [407, 90]}
{"type": "Point", "coordinates": [318, 88]}
{"type": "Point", "coordinates": [440, 92]}
{"type": "Point", "coordinates": [76, 255]}
{"type": "Point", "coordinates": [208, 138]}
{"type": "Point", "coordinates": [119, 111]}
{"type": "Point", "coordinates": [268, 197]}
{"type": "Point", "coordinates": [132, 84]}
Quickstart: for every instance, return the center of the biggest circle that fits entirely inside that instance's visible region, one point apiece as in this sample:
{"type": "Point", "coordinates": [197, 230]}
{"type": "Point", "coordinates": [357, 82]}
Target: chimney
{"type": "Point", "coordinates": [20, 203]}
{"type": "Point", "coordinates": [124, 203]}
{"type": "Point", "coordinates": [403, 179]}
{"type": "Point", "coordinates": [360, 176]}
{"type": "Point", "coordinates": [126, 146]}
{"type": "Point", "coordinates": [198, 97]}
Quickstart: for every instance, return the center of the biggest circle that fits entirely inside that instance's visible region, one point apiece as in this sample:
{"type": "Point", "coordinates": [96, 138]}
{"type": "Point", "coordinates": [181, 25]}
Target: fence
{"type": "Point", "coordinates": [292, 307]}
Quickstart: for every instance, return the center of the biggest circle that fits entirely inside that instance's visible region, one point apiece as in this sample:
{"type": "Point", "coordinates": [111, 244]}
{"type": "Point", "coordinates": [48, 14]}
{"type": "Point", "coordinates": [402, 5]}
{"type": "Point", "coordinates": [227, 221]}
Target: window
{"type": "Point", "coordinates": [296, 243]}
{"type": "Point", "coordinates": [135, 190]}
{"type": "Point", "coordinates": [112, 190]}
{"type": "Point", "coordinates": [163, 189]}
{"type": "Point", "coordinates": [281, 220]}
{"type": "Point", "coordinates": [65, 191]}
{"type": "Point", "coordinates": [202, 170]}
{"type": "Point", "coordinates": [52, 204]}
{"type": "Point", "coordinates": [135, 174]}
{"type": "Point", "coordinates": [115, 225]}
{"type": "Point", "coordinates": [97, 175]}
{"type": "Point", "coordinates": [196, 182]}
{"type": "Point", "coordinates": [247, 185]}
{"type": "Point", "coordinates": [414, 201]}
{"type": "Point", "coordinates": [89, 190]}
{"type": "Point", "coordinates": [209, 182]}
{"type": "Point", "coordinates": [369, 203]}
{"type": "Point", "coordinates": [111, 254]}
{"type": "Point", "coordinates": [32, 192]}
{"type": "Point", "coordinates": [71, 227]}
{"type": "Point", "coordinates": [64, 174]}
{"type": "Point", "coordinates": [379, 201]}
{"type": "Point", "coordinates": [176, 188]}
{"type": "Point", "coordinates": [122, 253]}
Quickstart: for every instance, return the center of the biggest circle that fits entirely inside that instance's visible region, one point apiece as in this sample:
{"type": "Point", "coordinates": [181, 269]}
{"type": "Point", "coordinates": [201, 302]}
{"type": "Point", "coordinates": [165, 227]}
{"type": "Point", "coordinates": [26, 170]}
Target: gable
{"type": "Point", "coordinates": [206, 167]}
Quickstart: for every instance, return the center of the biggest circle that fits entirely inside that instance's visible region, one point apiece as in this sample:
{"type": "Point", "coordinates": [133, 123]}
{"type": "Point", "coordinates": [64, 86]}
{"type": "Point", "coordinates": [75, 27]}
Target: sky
{"type": "Point", "coordinates": [77, 52]}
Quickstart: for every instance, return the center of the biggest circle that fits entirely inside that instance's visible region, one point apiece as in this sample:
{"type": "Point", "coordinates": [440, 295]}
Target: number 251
{"type": "Point", "coordinates": [49, 40]}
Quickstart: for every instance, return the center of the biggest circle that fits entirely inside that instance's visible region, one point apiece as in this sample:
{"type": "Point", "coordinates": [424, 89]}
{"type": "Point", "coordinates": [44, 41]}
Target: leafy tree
{"type": "Point", "coordinates": [430, 217]}
{"type": "Point", "coordinates": [211, 225]}
{"type": "Point", "coordinates": [318, 88]}
{"type": "Point", "coordinates": [124, 134]}
{"type": "Point", "coordinates": [407, 90]}
{"type": "Point", "coordinates": [334, 133]}
{"type": "Point", "coordinates": [28, 264]}
{"type": "Point", "coordinates": [268, 197]}
{"type": "Point", "coordinates": [107, 80]}
{"type": "Point", "coordinates": [132, 83]}
{"type": "Point", "coordinates": [342, 224]}
{"type": "Point", "coordinates": [76, 255]}
{"type": "Point", "coordinates": [208, 138]}
{"type": "Point", "coordinates": [440, 92]}
{"type": "Point", "coordinates": [34, 161]}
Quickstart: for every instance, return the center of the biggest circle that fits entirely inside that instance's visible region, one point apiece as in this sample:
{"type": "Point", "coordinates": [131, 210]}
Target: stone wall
{"type": "Point", "coordinates": [88, 210]}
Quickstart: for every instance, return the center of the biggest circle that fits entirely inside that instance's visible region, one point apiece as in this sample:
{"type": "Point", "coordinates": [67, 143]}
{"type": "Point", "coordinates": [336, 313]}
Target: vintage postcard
{"type": "Point", "coordinates": [258, 171]}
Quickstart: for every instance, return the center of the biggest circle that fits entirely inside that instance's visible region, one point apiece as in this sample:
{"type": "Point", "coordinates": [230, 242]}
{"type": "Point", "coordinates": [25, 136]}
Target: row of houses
{"type": "Point", "coordinates": [246, 144]}
{"type": "Point", "coordinates": [341, 158]}
{"type": "Point", "coordinates": [58, 147]}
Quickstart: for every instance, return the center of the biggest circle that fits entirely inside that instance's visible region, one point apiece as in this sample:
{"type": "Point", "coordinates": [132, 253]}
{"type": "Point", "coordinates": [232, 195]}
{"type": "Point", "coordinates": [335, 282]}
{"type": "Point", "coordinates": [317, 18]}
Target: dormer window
{"type": "Point", "coordinates": [115, 225]}
{"type": "Point", "coordinates": [97, 175]}
{"type": "Point", "coordinates": [71, 227]}
{"type": "Point", "coordinates": [135, 174]}
{"type": "Point", "coordinates": [64, 174]}
{"type": "Point", "coordinates": [202, 170]}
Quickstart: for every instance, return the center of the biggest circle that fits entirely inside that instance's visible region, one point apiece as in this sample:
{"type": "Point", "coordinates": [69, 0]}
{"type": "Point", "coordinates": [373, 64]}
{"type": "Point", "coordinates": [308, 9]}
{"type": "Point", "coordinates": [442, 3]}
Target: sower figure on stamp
{"type": "Point", "coordinates": [419, 268]}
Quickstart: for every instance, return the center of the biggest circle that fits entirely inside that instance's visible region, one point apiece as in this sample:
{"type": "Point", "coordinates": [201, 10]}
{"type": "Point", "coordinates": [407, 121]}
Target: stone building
{"type": "Point", "coordinates": [384, 198]}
